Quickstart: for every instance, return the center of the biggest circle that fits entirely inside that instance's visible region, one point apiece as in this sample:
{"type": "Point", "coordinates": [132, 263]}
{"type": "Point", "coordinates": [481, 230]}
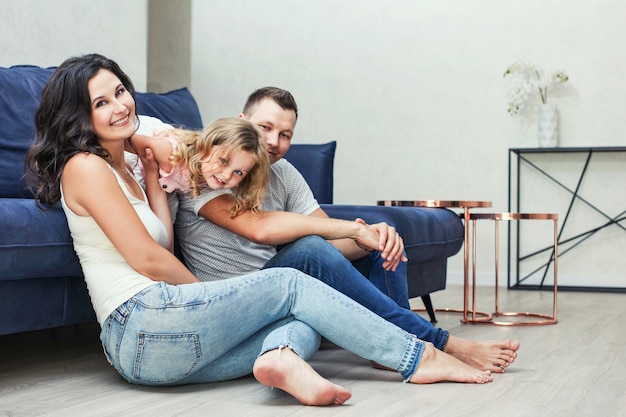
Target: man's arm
{"type": "Point", "coordinates": [390, 244]}
{"type": "Point", "coordinates": [278, 227]}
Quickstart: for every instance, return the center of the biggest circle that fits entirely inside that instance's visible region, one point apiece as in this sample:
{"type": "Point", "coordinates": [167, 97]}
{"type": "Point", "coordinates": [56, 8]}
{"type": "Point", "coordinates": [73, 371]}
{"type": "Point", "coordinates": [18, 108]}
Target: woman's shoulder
{"type": "Point", "coordinates": [86, 164]}
{"type": "Point", "coordinates": [86, 158]}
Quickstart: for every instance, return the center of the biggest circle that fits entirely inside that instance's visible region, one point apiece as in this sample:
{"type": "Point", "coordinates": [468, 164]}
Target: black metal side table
{"type": "Point", "coordinates": [523, 157]}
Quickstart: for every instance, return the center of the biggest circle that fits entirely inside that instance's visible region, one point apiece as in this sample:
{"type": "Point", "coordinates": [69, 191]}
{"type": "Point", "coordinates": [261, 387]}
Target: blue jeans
{"type": "Point", "coordinates": [391, 283]}
{"type": "Point", "coordinates": [319, 259]}
{"type": "Point", "coordinates": [214, 331]}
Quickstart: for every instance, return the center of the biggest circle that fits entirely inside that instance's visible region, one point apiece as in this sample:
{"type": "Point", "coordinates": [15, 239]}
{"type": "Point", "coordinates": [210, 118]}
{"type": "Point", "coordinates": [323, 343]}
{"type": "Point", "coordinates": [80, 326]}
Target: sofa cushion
{"type": "Point", "coordinates": [316, 164]}
{"type": "Point", "coordinates": [178, 108]}
{"type": "Point", "coordinates": [20, 91]}
{"type": "Point", "coordinates": [35, 243]}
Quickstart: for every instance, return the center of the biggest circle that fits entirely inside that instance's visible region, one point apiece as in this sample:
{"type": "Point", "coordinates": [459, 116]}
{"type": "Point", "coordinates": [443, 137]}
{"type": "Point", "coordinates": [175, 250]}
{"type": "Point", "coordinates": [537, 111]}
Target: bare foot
{"type": "Point", "coordinates": [282, 368]}
{"type": "Point", "coordinates": [438, 366]}
{"type": "Point", "coordinates": [492, 356]}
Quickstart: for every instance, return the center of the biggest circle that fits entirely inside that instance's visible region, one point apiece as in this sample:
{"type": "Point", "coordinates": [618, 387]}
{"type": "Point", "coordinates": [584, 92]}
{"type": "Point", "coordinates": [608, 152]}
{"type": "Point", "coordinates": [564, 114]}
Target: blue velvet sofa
{"type": "Point", "coordinates": [41, 284]}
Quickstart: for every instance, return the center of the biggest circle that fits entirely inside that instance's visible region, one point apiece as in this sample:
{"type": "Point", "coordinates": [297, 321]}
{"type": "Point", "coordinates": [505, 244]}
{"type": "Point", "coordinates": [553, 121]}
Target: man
{"type": "Point", "coordinates": [365, 262]}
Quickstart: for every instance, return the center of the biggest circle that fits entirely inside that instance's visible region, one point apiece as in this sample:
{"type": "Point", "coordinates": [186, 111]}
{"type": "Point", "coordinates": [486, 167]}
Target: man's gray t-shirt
{"type": "Point", "coordinates": [213, 253]}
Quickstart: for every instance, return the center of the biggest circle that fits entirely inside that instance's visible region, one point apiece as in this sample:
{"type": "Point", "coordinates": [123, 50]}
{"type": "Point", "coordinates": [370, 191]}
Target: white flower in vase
{"type": "Point", "coordinates": [527, 81]}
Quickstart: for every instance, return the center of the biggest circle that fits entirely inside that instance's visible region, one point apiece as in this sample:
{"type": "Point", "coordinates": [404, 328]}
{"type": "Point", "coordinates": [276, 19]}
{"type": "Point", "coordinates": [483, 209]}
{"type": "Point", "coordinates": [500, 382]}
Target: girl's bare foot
{"type": "Point", "coordinates": [492, 356]}
{"type": "Point", "coordinates": [282, 368]}
{"type": "Point", "coordinates": [438, 366]}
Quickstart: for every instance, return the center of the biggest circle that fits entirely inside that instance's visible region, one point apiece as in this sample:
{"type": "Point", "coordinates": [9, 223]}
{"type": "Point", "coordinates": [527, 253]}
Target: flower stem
{"type": "Point", "coordinates": [542, 93]}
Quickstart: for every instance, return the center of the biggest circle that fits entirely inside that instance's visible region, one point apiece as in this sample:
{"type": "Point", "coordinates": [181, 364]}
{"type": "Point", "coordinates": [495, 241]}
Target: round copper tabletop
{"type": "Point", "coordinates": [514, 216]}
{"type": "Point", "coordinates": [435, 203]}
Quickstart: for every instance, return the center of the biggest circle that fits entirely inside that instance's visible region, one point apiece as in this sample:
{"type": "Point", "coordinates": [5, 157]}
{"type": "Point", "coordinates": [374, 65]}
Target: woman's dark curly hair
{"type": "Point", "coordinates": [63, 123]}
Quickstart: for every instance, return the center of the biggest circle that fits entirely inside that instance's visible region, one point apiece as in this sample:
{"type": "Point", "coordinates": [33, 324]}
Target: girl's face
{"type": "Point", "coordinates": [112, 107]}
{"type": "Point", "coordinates": [221, 170]}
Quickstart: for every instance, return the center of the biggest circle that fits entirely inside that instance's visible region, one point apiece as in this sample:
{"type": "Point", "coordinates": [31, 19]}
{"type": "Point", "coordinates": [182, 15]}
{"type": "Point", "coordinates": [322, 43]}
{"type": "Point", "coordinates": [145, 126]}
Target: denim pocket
{"type": "Point", "coordinates": [166, 358]}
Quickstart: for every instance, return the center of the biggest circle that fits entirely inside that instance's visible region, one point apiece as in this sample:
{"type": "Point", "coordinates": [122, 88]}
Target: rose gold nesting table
{"type": "Point", "coordinates": [472, 315]}
{"type": "Point", "coordinates": [536, 318]}
{"type": "Point", "coordinates": [466, 205]}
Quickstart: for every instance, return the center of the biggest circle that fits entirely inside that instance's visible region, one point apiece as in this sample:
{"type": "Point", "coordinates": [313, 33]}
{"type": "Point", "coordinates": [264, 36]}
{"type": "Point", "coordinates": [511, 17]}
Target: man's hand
{"type": "Point", "coordinates": [390, 244]}
{"type": "Point", "coordinates": [368, 239]}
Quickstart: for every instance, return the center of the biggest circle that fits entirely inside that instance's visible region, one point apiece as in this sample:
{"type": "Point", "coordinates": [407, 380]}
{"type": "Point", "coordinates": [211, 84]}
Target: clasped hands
{"type": "Point", "coordinates": [384, 238]}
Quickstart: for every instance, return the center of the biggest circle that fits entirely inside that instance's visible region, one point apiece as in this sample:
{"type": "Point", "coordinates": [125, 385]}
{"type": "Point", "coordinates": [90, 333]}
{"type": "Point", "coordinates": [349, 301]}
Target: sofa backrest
{"type": "Point", "coordinates": [316, 164]}
{"type": "Point", "coordinates": [20, 92]}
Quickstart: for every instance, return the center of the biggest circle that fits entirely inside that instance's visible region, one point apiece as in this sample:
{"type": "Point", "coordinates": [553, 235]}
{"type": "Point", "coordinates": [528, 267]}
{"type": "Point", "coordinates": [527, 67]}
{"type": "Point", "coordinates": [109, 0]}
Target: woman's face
{"type": "Point", "coordinates": [223, 171]}
{"type": "Point", "coordinates": [112, 107]}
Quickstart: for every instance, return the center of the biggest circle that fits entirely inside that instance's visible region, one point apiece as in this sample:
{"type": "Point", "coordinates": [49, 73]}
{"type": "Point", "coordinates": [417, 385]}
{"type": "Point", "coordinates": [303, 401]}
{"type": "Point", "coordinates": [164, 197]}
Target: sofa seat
{"type": "Point", "coordinates": [46, 249]}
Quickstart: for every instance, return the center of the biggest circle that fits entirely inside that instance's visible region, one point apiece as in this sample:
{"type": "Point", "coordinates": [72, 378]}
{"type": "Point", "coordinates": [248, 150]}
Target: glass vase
{"type": "Point", "coordinates": [548, 125]}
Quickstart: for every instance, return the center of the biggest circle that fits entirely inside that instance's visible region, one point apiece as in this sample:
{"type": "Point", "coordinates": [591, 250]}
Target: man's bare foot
{"type": "Point", "coordinates": [282, 368]}
{"type": "Point", "coordinates": [492, 356]}
{"type": "Point", "coordinates": [438, 366]}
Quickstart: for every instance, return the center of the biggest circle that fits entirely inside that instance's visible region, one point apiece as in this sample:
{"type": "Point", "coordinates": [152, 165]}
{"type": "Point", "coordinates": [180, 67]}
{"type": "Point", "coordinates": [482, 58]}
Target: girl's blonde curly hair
{"type": "Point", "coordinates": [230, 134]}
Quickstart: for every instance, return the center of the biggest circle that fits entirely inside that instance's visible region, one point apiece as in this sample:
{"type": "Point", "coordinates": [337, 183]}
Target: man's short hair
{"type": "Point", "coordinates": [281, 97]}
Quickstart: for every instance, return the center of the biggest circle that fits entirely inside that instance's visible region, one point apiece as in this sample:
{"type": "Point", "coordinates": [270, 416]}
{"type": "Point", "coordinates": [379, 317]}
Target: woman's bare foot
{"type": "Point", "coordinates": [282, 368]}
{"type": "Point", "coordinates": [492, 356]}
{"type": "Point", "coordinates": [438, 366]}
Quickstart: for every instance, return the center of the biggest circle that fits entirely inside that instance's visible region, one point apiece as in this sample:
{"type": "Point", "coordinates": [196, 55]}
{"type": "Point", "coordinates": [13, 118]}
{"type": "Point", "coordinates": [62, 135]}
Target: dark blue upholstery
{"type": "Point", "coordinates": [20, 90]}
{"type": "Point", "coordinates": [41, 282]}
{"type": "Point", "coordinates": [178, 108]}
{"type": "Point", "coordinates": [316, 164]}
{"type": "Point", "coordinates": [35, 243]}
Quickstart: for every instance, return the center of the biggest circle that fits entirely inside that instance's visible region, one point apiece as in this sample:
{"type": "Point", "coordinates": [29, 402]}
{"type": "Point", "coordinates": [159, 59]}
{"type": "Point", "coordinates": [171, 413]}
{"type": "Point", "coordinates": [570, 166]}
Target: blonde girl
{"type": "Point", "coordinates": [227, 154]}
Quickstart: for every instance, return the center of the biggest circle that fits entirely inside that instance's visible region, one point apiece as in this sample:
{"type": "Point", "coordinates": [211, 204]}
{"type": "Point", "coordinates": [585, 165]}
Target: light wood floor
{"type": "Point", "coordinates": [574, 368]}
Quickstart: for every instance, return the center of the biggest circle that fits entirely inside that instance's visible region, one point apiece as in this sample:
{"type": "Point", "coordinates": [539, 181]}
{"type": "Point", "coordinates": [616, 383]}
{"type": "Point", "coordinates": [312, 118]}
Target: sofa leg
{"type": "Point", "coordinates": [429, 308]}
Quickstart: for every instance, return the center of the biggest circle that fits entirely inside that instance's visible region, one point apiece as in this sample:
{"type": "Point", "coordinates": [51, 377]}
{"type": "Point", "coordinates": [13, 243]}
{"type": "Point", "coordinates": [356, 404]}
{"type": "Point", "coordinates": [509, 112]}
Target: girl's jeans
{"type": "Point", "coordinates": [214, 331]}
{"type": "Point", "coordinates": [383, 292]}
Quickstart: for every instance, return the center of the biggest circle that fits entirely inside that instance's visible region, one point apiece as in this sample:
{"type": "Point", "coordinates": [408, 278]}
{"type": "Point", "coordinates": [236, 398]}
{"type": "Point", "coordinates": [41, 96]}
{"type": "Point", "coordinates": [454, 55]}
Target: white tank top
{"type": "Point", "coordinates": [111, 281]}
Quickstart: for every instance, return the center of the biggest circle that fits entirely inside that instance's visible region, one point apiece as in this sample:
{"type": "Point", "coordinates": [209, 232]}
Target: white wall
{"type": "Point", "coordinates": [413, 90]}
{"type": "Point", "coordinates": [46, 32]}
{"type": "Point", "coordinates": [169, 44]}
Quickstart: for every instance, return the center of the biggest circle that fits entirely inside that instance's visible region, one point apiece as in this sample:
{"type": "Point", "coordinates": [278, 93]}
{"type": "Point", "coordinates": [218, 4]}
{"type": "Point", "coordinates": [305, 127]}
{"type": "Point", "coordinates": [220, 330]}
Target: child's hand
{"type": "Point", "coordinates": [160, 149]}
{"type": "Point", "coordinates": [150, 165]}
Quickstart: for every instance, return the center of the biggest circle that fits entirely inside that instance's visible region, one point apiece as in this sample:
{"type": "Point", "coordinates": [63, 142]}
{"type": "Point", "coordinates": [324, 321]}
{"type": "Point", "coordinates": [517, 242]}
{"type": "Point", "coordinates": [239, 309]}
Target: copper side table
{"type": "Point", "coordinates": [466, 205]}
{"type": "Point", "coordinates": [538, 318]}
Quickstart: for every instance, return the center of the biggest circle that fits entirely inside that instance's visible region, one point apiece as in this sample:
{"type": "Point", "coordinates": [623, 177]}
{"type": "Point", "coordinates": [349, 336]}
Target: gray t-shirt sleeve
{"type": "Point", "coordinates": [289, 190]}
{"type": "Point", "coordinates": [205, 196]}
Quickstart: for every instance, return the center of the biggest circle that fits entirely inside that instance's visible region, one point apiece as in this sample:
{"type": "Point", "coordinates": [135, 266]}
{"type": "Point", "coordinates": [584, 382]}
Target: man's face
{"type": "Point", "coordinates": [275, 125]}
